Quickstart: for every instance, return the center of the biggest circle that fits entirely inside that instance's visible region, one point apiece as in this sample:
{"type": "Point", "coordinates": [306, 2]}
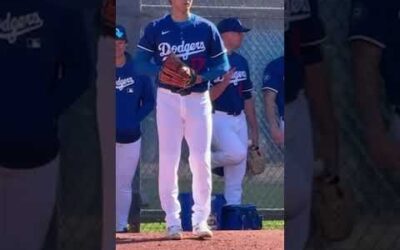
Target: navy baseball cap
{"type": "Point", "coordinates": [231, 24]}
{"type": "Point", "coordinates": [120, 33]}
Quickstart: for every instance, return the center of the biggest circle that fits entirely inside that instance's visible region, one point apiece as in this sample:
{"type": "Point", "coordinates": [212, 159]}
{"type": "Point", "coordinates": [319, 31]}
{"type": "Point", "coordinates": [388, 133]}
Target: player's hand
{"type": "Point", "coordinates": [228, 76]}
{"type": "Point", "coordinates": [278, 136]}
{"type": "Point", "coordinates": [384, 152]}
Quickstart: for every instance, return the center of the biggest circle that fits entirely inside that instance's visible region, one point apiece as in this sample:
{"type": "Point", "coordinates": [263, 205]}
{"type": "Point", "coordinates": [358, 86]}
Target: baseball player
{"type": "Point", "coordinates": [232, 105]}
{"type": "Point", "coordinates": [134, 101]}
{"type": "Point", "coordinates": [46, 66]}
{"type": "Point", "coordinates": [274, 99]}
{"type": "Point", "coordinates": [184, 114]}
{"type": "Point", "coordinates": [375, 46]}
{"type": "Point", "coordinates": [306, 89]}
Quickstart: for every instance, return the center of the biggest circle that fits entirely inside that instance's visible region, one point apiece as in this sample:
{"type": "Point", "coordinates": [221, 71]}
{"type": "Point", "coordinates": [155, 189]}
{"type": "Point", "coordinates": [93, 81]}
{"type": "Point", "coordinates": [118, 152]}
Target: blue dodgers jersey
{"type": "Point", "coordinates": [239, 89]}
{"type": "Point", "coordinates": [378, 22]}
{"type": "Point", "coordinates": [35, 38]}
{"type": "Point", "coordinates": [134, 101]}
{"type": "Point", "coordinates": [273, 79]}
{"type": "Point", "coordinates": [304, 30]}
{"type": "Point", "coordinates": [195, 43]}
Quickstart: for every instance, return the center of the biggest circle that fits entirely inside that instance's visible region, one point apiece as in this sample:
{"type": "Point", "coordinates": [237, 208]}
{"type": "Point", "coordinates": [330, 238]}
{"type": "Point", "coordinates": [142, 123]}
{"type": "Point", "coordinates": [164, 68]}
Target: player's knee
{"type": "Point", "coordinates": [237, 156]}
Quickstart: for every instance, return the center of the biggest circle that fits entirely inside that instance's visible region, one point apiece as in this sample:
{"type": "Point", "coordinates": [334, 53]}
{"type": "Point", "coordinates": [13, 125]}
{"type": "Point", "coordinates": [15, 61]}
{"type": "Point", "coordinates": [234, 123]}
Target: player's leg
{"type": "Point", "coordinates": [234, 174]}
{"type": "Point", "coordinates": [298, 174]}
{"type": "Point", "coordinates": [170, 135]}
{"type": "Point", "coordinates": [198, 129]}
{"type": "Point", "coordinates": [127, 158]}
{"type": "Point", "coordinates": [228, 148]}
{"type": "Point", "coordinates": [27, 200]}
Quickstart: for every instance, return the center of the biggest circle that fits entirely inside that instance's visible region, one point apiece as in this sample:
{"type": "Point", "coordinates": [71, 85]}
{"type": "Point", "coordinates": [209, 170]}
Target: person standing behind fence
{"type": "Point", "coordinates": [134, 101]}
{"type": "Point", "coordinates": [274, 99]}
{"type": "Point", "coordinates": [184, 114]}
{"type": "Point", "coordinates": [231, 95]}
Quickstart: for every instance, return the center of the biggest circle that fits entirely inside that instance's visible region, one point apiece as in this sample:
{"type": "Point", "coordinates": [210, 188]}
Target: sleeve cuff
{"type": "Point", "coordinates": [367, 39]}
{"type": "Point", "coordinates": [270, 89]}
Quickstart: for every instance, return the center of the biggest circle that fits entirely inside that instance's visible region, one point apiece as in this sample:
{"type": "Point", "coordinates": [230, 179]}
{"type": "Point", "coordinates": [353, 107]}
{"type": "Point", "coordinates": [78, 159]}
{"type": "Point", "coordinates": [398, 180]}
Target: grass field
{"type": "Point", "coordinates": [160, 227]}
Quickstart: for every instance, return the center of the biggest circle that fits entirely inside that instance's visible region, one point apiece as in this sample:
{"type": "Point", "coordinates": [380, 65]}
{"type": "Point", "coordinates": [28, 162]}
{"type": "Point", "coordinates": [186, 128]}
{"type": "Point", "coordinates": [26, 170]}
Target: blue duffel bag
{"type": "Point", "coordinates": [240, 217]}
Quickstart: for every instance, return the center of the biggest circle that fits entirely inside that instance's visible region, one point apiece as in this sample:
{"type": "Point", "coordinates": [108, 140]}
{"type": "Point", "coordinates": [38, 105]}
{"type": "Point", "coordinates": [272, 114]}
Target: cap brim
{"type": "Point", "coordinates": [245, 29]}
{"type": "Point", "coordinates": [121, 39]}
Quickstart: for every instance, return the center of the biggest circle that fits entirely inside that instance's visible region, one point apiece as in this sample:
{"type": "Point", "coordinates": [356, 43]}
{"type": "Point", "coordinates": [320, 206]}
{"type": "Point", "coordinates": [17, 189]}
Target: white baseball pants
{"type": "Point", "coordinates": [229, 142]}
{"type": "Point", "coordinates": [127, 158]}
{"type": "Point", "coordinates": [186, 117]}
{"type": "Point", "coordinates": [27, 200]}
{"type": "Point", "coordinates": [298, 173]}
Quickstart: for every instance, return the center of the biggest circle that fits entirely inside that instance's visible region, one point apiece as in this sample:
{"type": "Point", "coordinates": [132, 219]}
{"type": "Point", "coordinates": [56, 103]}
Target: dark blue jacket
{"type": "Point", "coordinates": [134, 101]}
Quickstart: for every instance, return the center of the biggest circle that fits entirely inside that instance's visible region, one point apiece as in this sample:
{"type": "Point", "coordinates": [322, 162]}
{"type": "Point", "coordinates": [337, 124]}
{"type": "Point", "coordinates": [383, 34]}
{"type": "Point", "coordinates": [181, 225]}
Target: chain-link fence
{"type": "Point", "coordinates": [376, 191]}
{"type": "Point", "coordinates": [261, 45]}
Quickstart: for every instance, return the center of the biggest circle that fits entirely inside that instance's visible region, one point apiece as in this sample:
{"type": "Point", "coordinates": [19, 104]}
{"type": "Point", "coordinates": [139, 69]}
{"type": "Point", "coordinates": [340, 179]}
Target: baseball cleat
{"type": "Point", "coordinates": [202, 231]}
{"type": "Point", "coordinates": [174, 233]}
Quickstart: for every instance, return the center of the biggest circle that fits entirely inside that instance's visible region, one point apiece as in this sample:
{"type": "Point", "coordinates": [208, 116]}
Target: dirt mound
{"type": "Point", "coordinates": [222, 240]}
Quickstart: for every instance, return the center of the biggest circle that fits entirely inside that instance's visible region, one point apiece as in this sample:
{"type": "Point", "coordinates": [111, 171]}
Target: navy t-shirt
{"type": "Point", "coordinates": [239, 89]}
{"type": "Point", "coordinates": [37, 39]}
{"type": "Point", "coordinates": [134, 101]}
{"type": "Point", "coordinates": [273, 80]}
{"type": "Point", "coordinates": [378, 22]}
{"type": "Point", "coordinates": [195, 43]}
{"type": "Point", "coordinates": [303, 30]}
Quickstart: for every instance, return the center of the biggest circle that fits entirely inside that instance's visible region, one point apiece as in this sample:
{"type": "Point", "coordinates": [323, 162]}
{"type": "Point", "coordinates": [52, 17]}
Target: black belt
{"type": "Point", "coordinates": [232, 113]}
{"type": "Point", "coordinates": [180, 91]}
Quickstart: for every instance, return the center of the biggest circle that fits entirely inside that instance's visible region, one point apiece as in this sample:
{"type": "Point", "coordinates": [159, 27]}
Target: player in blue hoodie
{"type": "Point", "coordinates": [134, 101]}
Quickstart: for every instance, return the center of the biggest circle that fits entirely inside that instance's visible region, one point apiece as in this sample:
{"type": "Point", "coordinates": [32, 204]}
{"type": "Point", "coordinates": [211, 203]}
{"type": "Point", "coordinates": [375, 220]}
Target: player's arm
{"type": "Point", "coordinates": [272, 82]}
{"type": "Point", "coordinates": [270, 108]}
{"type": "Point", "coordinates": [272, 119]}
{"type": "Point", "coordinates": [219, 87]}
{"type": "Point", "coordinates": [218, 63]}
{"type": "Point", "coordinates": [369, 84]}
{"type": "Point", "coordinates": [250, 108]}
{"type": "Point", "coordinates": [147, 99]}
{"type": "Point", "coordinates": [146, 48]}
{"type": "Point", "coordinates": [368, 36]}
{"type": "Point", "coordinates": [77, 69]}
{"type": "Point", "coordinates": [250, 111]}
{"type": "Point", "coordinates": [318, 90]}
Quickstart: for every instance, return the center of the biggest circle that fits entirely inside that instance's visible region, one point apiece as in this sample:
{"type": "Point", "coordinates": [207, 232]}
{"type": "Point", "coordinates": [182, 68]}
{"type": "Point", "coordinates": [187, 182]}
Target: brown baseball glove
{"type": "Point", "coordinates": [256, 161]}
{"type": "Point", "coordinates": [176, 73]}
